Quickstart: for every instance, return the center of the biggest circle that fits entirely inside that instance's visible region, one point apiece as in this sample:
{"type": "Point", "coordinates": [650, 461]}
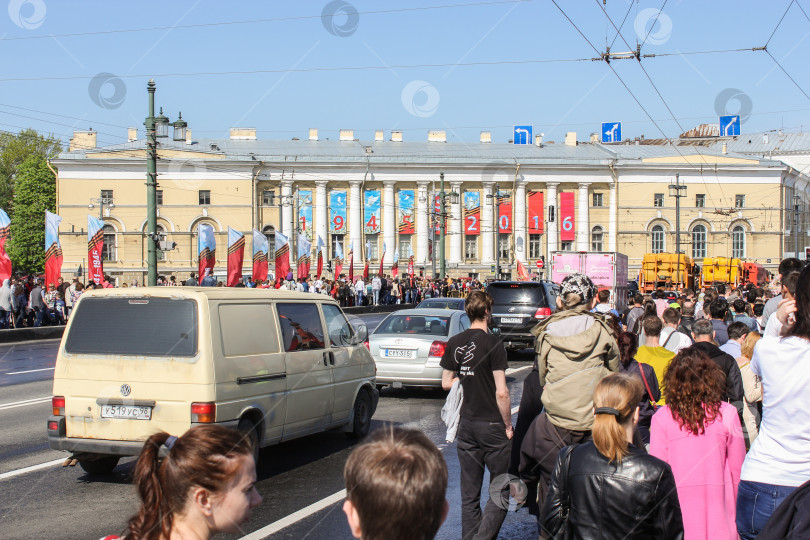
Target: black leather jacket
{"type": "Point", "coordinates": [634, 499]}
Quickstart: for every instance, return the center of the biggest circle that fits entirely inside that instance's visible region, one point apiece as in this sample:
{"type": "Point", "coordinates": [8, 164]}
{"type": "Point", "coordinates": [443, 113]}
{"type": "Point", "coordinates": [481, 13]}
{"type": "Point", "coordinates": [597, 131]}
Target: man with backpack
{"type": "Point", "coordinates": [635, 313]}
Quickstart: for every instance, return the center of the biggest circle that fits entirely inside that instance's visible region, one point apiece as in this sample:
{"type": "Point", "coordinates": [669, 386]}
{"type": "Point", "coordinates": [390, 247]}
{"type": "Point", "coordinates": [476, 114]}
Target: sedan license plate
{"type": "Point", "coordinates": [511, 320]}
{"type": "Point", "coordinates": [126, 411]}
{"type": "Point", "coordinates": [398, 353]}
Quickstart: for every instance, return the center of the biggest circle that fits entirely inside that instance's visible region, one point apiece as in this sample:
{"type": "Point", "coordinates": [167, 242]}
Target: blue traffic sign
{"type": "Point", "coordinates": [611, 132]}
{"type": "Point", "coordinates": [523, 135]}
{"type": "Point", "coordinates": [730, 125]}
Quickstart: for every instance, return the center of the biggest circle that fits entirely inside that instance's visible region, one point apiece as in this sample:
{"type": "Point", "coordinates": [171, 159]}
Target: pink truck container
{"type": "Point", "coordinates": [606, 270]}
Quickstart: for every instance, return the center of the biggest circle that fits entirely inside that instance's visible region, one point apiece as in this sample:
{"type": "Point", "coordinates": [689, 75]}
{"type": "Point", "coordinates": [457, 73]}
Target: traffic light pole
{"type": "Point", "coordinates": [151, 187]}
{"type": "Point", "coordinates": [443, 221]}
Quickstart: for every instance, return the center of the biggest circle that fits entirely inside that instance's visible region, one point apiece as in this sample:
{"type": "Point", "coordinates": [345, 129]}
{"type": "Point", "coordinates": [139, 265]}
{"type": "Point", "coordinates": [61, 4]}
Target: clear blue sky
{"type": "Point", "coordinates": [461, 99]}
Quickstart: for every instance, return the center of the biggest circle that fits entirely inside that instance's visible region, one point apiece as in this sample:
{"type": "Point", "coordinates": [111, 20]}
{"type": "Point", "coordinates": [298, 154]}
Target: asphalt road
{"type": "Point", "coordinates": [300, 481]}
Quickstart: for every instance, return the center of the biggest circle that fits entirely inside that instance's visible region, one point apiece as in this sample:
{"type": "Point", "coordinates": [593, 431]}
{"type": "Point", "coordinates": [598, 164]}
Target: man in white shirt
{"type": "Point", "coordinates": [360, 291]}
{"type": "Point", "coordinates": [318, 285]}
{"type": "Point", "coordinates": [376, 285]}
{"type": "Point", "coordinates": [670, 338]}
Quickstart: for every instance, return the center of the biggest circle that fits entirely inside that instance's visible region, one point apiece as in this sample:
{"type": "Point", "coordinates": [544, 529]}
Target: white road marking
{"type": "Point", "coordinates": [516, 370]}
{"type": "Point", "coordinates": [31, 371]}
{"type": "Point", "coordinates": [12, 474]}
{"type": "Point", "coordinates": [295, 517]}
{"type": "Point", "coordinates": [24, 403]}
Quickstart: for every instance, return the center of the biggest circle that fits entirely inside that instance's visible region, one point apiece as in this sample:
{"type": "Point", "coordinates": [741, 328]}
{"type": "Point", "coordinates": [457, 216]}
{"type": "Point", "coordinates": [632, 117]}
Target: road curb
{"type": "Point", "coordinates": [358, 310]}
{"type": "Point", "coordinates": [14, 335]}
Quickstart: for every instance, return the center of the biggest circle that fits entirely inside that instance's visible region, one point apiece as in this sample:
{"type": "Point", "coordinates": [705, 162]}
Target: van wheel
{"type": "Point", "coordinates": [103, 465]}
{"type": "Point", "coordinates": [362, 416]}
{"type": "Point", "coordinates": [247, 427]}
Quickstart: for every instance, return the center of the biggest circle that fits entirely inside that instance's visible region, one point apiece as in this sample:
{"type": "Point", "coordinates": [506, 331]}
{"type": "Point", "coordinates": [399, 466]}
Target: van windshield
{"type": "Point", "coordinates": [131, 326]}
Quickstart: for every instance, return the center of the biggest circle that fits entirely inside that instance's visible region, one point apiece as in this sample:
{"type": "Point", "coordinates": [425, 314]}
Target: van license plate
{"type": "Point", "coordinates": [511, 320]}
{"type": "Point", "coordinates": [126, 411]}
{"type": "Point", "coordinates": [398, 353]}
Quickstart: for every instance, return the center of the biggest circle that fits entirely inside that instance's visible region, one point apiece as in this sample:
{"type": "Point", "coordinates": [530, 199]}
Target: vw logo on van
{"type": "Point", "coordinates": [511, 310]}
{"type": "Point", "coordinates": [125, 390]}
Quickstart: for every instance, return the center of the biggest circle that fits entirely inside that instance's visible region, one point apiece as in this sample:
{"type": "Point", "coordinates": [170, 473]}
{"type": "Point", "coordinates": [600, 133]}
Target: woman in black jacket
{"type": "Point", "coordinates": [612, 488]}
{"type": "Point", "coordinates": [628, 345]}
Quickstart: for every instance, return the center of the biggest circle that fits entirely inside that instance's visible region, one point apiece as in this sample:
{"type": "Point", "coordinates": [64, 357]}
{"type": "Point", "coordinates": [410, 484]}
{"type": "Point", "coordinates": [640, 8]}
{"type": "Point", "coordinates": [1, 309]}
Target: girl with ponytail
{"type": "Point", "coordinates": [203, 486]}
{"type": "Point", "coordinates": [609, 488]}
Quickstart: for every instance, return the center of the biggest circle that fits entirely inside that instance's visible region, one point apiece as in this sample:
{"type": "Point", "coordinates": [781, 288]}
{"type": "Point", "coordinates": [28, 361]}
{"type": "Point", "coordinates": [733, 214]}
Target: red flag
{"type": "Point", "coordinates": [236, 256]}
{"type": "Point", "coordinates": [304, 256]}
{"type": "Point", "coordinates": [206, 249]}
{"type": "Point", "coordinates": [95, 247]}
{"type": "Point", "coordinates": [260, 249]}
{"type": "Point", "coordinates": [567, 231]}
{"type": "Point", "coordinates": [382, 257]}
{"type": "Point", "coordinates": [53, 249]}
{"type": "Point", "coordinates": [365, 271]}
{"type": "Point", "coordinates": [505, 212]}
{"type": "Point", "coordinates": [395, 266]}
{"type": "Point", "coordinates": [523, 275]}
{"type": "Point", "coordinates": [282, 258]}
{"type": "Point", "coordinates": [351, 263]}
{"type": "Point", "coordinates": [319, 248]}
{"type": "Point", "coordinates": [5, 260]}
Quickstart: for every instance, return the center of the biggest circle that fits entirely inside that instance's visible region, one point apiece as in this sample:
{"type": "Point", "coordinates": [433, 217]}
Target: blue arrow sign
{"type": "Point", "coordinates": [611, 132]}
{"type": "Point", "coordinates": [523, 135]}
{"type": "Point", "coordinates": [730, 125]}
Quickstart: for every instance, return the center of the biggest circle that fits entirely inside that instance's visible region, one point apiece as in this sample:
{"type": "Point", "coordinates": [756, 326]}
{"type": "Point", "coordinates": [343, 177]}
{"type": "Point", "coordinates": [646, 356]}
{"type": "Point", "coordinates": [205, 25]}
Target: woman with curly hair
{"type": "Point", "coordinates": [700, 436]}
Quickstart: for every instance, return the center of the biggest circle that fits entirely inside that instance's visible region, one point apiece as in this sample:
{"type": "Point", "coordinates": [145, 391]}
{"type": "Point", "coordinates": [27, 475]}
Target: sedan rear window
{"type": "Point", "coordinates": [143, 326]}
{"type": "Point", "coordinates": [415, 324]}
{"type": "Point", "coordinates": [515, 293]}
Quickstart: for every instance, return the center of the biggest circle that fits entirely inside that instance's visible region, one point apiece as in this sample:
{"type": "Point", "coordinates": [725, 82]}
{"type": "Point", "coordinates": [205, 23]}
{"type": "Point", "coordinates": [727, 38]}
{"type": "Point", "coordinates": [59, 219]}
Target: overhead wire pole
{"type": "Point", "coordinates": [151, 187]}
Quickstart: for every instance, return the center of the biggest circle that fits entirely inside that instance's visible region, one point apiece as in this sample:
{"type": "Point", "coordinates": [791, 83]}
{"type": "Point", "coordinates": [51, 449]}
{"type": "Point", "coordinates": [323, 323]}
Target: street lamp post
{"type": "Point", "coordinates": [796, 200]}
{"type": "Point", "coordinates": [494, 197]}
{"type": "Point", "coordinates": [101, 201]}
{"type": "Point", "coordinates": [443, 213]}
{"type": "Point", "coordinates": [675, 191]}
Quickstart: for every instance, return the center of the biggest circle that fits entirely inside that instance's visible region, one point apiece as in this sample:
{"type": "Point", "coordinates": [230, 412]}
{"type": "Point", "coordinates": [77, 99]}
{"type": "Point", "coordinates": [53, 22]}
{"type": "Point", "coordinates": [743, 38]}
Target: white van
{"type": "Point", "coordinates": [275, 364]}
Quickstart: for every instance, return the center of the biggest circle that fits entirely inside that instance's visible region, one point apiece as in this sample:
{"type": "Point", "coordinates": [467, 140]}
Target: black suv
{"type": "Point", "coordinates": [518, 306]}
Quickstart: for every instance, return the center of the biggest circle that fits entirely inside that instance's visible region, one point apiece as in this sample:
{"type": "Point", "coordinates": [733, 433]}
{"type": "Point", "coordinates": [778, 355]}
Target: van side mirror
{"type": "Point", "coordinates": [360, 334]}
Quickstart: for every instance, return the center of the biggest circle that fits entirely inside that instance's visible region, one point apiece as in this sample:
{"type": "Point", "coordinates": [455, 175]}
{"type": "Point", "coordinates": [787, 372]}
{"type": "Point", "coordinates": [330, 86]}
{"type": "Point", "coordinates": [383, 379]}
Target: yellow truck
{"type": "Point", "coordinates": [667, 271]}
{"type": "Point", "coordinates": [723, 270]}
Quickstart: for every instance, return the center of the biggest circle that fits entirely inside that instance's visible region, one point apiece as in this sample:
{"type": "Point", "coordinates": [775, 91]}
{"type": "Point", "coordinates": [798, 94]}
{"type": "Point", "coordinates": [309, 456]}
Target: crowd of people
{"type": "Point", "coordinates": [683, 418]}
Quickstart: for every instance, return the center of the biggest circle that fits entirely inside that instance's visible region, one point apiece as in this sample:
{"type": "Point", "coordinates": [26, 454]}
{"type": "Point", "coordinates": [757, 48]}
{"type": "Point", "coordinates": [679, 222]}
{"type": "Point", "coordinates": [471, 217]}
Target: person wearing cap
{"type": "Point", "coordinates": [574, 349]}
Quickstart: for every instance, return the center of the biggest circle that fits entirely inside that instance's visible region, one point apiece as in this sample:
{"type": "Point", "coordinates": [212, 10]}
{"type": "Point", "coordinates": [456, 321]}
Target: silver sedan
{"type": "Point", "coordinates": [408, 345]}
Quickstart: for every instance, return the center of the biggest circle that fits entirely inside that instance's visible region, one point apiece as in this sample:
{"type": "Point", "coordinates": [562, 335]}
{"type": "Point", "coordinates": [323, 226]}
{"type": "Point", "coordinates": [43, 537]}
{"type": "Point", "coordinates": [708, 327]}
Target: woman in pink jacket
{"type": "Point", "coordinates": [700, 436]}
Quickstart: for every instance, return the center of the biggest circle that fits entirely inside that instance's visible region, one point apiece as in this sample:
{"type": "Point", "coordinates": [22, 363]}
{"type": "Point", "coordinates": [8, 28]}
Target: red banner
{"type": "Point", "coordinates": [523, 275]}
{"type": "Point", "coordinates": [472, 219]}
{"type": "Point", "coordinates": [259, 266]}
{"type": "Point", "coordinates": [282, 263]}
{"type": "Point", "coordinates": [365, 271]}
{"type": "Point", "coordinates": [95, 270]}
{"type": "Point", "coordinates": [567, 231]}
{"type": "Point", "coordinates": [236, 256]}
{"type": "Point", "coordinates": [410, 265]}
{"type": "Point", "coordinates": [505, 212]}
{"type": "Point", "coordinates": [319, 265]}
{"type": "Point", "coordinates": [351, 265]}
{"type": "Point", "coordinates": [536, 212]}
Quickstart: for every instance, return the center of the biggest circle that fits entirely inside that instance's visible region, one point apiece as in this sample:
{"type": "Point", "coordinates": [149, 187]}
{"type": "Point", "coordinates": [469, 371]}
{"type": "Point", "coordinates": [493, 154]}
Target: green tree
{"type": "Point", "coordinates": [34, 193]}
{"type": "Point", "coordinates": [15, 148]}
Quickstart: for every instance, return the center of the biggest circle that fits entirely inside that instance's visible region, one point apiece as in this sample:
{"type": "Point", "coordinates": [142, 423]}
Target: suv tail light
{"type": "Point", "coordinates": [542, 313]}
{"type": "Point", "coordinates": [58, 403]}
{"type": "Point", "coordinates": [437, 348]}
{"type": "Point", "coordinates": [366, 344]}
{"type": "Point", "coordinates": [203, 413]}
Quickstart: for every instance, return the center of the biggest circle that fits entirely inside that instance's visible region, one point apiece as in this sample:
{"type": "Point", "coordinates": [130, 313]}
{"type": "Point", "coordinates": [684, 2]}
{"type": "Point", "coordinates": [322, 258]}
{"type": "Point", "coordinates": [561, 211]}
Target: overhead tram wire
{"type": "Point", "coordinates": [651, 26]}
{"type": "Point", "coordinates": [780, 22]}
{"type": "Point", "coordinates": [260, 21]}
{"type": "Point", "coordinates": [788, 74]}
{"type": "Point", "coordinates": [625, 20]}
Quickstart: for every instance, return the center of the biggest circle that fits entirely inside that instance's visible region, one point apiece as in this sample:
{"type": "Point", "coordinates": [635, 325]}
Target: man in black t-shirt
{"type": "Point", "coordinates": [478, 359]}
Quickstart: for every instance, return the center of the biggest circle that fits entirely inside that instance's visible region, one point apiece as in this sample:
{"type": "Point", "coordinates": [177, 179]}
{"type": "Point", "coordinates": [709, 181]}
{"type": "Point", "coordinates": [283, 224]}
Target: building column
{"type": "Point", "coordinates": [389, 219]}
{"type": "Point", "coordinates": [422, 226]}
{"type": "Point", "coordinates": [552, 232]}
{"type": "Point", "coordinates": [455, 229]}
{"type": "Point", "coordinates": [321, 214]}
{"type": "Point", "coordinates": [287, 210]}
{"type": "Point", "coordinates": [355, 222]}
{"type": "Point", "coordinates": [521, 238]}
{"type": "Point", "coordinates": [487, 230]}
{"type": "Point", "coordinates": [583, 223]}
{"type": "Point", "coordinates": [613, 218]}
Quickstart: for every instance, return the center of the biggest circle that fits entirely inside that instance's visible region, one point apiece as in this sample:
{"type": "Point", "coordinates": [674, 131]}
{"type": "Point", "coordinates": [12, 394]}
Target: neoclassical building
{"type": "Point", "coordinates": [505, 201]}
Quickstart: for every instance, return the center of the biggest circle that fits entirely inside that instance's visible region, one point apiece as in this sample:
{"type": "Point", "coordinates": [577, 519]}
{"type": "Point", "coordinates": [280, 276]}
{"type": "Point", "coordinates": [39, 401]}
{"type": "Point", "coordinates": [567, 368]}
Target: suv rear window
{"type": "Point", "coordinates": [134, 327]}
{"type": "Point", "coordinates": [415, 324]}
{"type": "Point", "coordinates": [518, 293]}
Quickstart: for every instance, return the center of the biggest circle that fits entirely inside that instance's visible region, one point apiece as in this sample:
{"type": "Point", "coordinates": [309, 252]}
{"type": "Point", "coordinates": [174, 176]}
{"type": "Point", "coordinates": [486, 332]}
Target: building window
{"type": "Point", "coordinates": [597, 235]}
{"type": "Point", "coordinates": [700, 200]}
{"type": "Point", "coordinates": [597, 199]}
{"type": "Point", "coordinates": [658, 245]}
{"type": "Point", "coordinates": [567, 246]}
{"type": "Point", "coordinates": [108, 253]}
{"type": "Point", "coordinates": [698, 242]}
{"type": "Point", "coordinates": [535, 246]}
{"type": "Point", "coordinates": [503, 245]}
{"type": "Point", "coordinates": [159, 197]}
{"type": "Point", "coordinates": [658, 200]}
{"type": "Point", "coordinates": [269, 232]}
{"type": "Point", "coordinates": [739, 201]}
{"type": "Point", "coordinates": [738, 242]}
{"type": "Point", "coordinates": [268, 197]}
{"type": "Point", "coordinates": [471, 247]}
{"type": "Point", "coordinates": [205, 196]}
{"type": "Point", "coordinates": [374, 252]}
{"type": "Point", "coordinates": [107, 196]}
{"type": "Point", "coordinates": [405, 247]}
{"type": "Point", "coordinates": [337, 240]}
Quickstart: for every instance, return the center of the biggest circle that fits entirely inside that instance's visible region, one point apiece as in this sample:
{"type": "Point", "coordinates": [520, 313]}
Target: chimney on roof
{"type": "Point", "coordinates": [379, 135]}
{"type": "Point", "coordinates": [243, 134]}
{"type": "Point", "coordinates": [396, 136]}
{"type": "Point", "coordinates": [538, 139]}
{"type": "Point", "coordinates": [132, 134]}
{"type": "Point", "coordinates": [486, 137]}
{"type": "Point", "coordinates": [346, 134]}
{"type": "Point", "coordinates": [764, 138]}
{"type": "Point", "coordinates": [571, 138]}
{"type": "Point", "coordinates": [435, 135]}
{"type": "Point", "coordinates": [313, 134]}
{"type": "Point", "coordinates": [725, 148]}
{"type": "Point", "coordinates": [83, 140]}
{"type": "Point", "coordinates": [188, 136]}
{"type": "Point", "coordinates": [594, 137]}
